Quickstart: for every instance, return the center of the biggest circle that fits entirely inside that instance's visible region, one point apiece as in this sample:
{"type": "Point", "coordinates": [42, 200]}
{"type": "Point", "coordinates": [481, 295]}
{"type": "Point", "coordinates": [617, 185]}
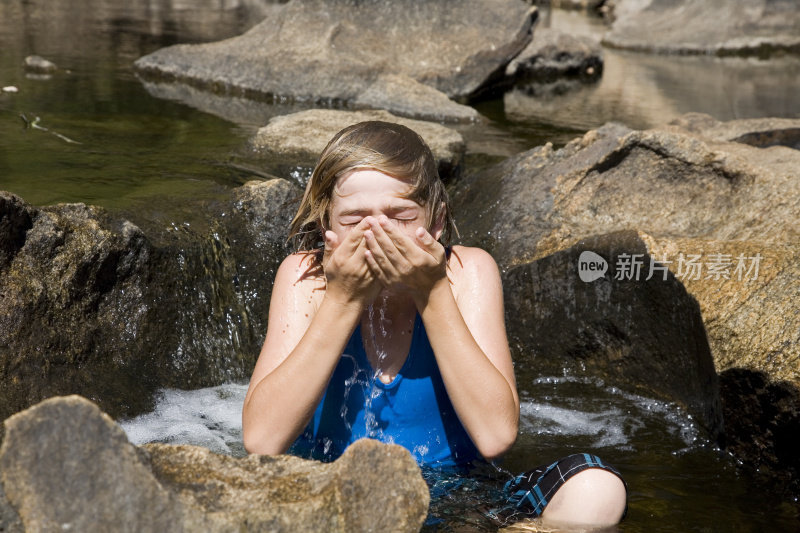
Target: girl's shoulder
{"type": "Point", "coordinates": [470, 260]}
{"type": "Point", "coordinates": [300, 271]}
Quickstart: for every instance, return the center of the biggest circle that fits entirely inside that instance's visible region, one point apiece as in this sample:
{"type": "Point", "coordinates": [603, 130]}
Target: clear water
{"type": "Point", "coordinates": [149, 157]}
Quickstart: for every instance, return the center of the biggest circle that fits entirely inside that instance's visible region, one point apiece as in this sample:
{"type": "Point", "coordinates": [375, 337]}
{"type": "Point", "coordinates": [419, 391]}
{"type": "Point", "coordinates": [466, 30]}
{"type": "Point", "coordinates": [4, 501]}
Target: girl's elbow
{"type": "Point", "coordinates": [499, 444]}
{"type": "Point", "coordinates": [257, 443]}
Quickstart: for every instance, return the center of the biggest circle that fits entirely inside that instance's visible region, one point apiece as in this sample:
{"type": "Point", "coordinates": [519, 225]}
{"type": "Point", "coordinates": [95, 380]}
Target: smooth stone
{"type": "Point", "coordinates": [299, 138]}
{"type": "Point", "coordinates": [333, 52]}
{"type": "Point", "coordinates": [745, 27]}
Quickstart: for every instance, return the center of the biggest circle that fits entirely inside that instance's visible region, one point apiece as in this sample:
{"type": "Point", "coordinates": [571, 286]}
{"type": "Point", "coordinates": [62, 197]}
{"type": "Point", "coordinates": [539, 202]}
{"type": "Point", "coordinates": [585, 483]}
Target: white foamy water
{"type": "Point", "coordinates": [605, 416]}
{"type": "Point", "coordinates": [209, 417]}
{"type": "Point", "coordinates": [552, 407]}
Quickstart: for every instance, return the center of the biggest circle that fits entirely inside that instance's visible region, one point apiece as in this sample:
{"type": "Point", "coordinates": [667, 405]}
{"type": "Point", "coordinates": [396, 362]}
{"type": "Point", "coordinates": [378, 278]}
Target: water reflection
{"type": "Point", "coordinates": [643, 91]}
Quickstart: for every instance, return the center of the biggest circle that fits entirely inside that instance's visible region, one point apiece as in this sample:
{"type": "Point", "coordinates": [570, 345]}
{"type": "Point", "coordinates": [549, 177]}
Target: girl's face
{"type": "Point", "coordinates": [362, 193]}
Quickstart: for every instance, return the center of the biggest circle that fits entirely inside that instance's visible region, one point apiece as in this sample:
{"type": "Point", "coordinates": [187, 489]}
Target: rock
{"type": "Point", "coordinates": [710, 208]}
{"type": "Point", "coordinates": [285, 493]}
{"type": "Point", "coordinates": [748, 27]}
{"type": "Point", "coordinates": [67, 465]}
{"type": "Point", "coordinates": [299, 138]}
{"type": "Point", "coordinates": [84, 294]}
{"type": "Point", "coordinates": [72, 306]}
{"type": "Point", "coordinates": [665, 181]}
{"type": "Point", "coordinates": [553, 54]}
{"type": "Point", "coordinates": [641, 335]}
{"type": "Point", "coordinates": [333, 52]}
{"type": "Point", "coordinates": [406, 97]}
{"type": "Point", "coordinates": [40, 65]}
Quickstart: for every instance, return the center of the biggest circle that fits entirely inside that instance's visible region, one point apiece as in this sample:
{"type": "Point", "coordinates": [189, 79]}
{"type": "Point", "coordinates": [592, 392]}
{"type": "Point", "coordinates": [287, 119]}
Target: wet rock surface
{"type": "Point", "coordinates": [299, 138]}
{"type": "Point", "coordinates": [341, 52]}
{"type": "Point", "coordinates": [646, 336]}
{"type": "Point", "coordinates": [64, 464]}
{"type": "Point", "coordinates": [553, 54]}
{"type": "Point", "coordinates": [698, 201]}
{"type": "Point", "coordinates": [92, 304]}
{"type": "Point", "coordinates": [748, 27]}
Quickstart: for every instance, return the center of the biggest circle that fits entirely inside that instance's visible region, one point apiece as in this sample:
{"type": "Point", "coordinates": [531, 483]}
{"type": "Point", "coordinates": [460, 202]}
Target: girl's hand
{"type": "Point", "coordinates": [349, 279]}
{"type": "Point", "coordinates": [415, 264]}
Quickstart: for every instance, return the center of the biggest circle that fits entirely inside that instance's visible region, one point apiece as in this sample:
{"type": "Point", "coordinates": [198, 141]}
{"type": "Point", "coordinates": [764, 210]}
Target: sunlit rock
{"type": "Point", "coordinates": [714, 204]}
{"type": "Point", "coordinates": [334, 52]}
{"type": "Point", "coordinates": [299, 138]}
{"type": "Point", "coordinates": [67, 465]}
{"type": "Point", "coordinates": [745, 27]}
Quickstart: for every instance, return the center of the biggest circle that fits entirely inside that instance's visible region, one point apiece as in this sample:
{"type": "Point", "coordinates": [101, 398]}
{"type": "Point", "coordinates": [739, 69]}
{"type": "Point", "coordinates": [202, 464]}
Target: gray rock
{"type": "Point", "coordinates": [406, 97]}
{"type": "Point", "coordinates": [40, 65]}
{"type": "Point", "coordinates": [685, 189]}
{"type": "Point", "coordinates": [84, 294]}
{"type": "Point", "coordinates": [299, 138]}
{"type": "Point", "coordinates": [746, 27]}
{"type": "Point", "coordinates": [553, 54]}
{"type": "Point", "coordinates": [66, 465]}
{"type": "Point", "coordinates": [332, 52]}
{"type": "Point", "coordinates": [641, 335]}
{"type": "Point", "coordinates": [665, 181]}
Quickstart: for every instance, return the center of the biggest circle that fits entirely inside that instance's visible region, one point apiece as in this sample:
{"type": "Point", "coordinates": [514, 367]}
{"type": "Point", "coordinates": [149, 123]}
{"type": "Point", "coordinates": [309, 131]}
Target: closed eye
{"type": "Point", "coordinates": [351, 220]}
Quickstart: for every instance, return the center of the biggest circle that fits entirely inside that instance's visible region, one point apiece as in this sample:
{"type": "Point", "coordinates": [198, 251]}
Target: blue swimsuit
{"type": "Point", "coordinates": [413, 410]}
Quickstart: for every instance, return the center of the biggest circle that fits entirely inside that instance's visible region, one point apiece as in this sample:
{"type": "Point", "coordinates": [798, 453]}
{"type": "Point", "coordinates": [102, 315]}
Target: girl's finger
{"type": "Point", "coordinates": [376, 269]}
{"type": "Point", "coordinates": [379, 255]}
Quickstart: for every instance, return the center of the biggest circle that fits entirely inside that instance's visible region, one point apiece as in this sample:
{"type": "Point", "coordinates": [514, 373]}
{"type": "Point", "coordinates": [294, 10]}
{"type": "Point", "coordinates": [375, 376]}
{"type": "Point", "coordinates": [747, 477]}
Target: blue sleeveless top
{"type": "Point", "coordinates": [413, 410]}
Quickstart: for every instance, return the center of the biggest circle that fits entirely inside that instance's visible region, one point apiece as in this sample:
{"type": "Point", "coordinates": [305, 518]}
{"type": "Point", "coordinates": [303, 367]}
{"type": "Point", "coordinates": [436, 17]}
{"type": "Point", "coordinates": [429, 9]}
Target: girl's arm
{"type": "Point", "coordinates": [467, 333]}
{"type": "Point", "coordinates": [307, 331]}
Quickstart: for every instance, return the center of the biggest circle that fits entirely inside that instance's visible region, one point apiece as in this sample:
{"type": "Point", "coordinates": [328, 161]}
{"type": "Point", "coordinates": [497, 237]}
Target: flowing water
{"type": "Point", "coordinates": [92, 132]}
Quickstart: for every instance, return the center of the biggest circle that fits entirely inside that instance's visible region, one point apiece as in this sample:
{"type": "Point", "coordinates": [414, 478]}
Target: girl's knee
{"type": "Point", "coordinates": [593, 497]}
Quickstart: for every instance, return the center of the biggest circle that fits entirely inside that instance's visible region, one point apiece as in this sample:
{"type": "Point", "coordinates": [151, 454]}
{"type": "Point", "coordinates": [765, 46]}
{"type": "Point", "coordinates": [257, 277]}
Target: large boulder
{"type": "Point", "coordinates": [64, 464]}
{"type": "Point", "coordinates": [298, 139]}
{"type": "Point", "coordinates": [94, 305]}
{"type": "Point", "coordinates": [714, 206]}
{"type": "Point", "coordinates": [745, 27]}
{"type": "Point", "coordinates": [367, 53]}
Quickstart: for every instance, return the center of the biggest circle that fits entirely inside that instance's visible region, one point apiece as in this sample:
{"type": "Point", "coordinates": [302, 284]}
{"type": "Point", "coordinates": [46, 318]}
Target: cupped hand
{"type": "Point", "coordinates": [414, 263]}
{"type": "Point", "coordinates": [349, 279]}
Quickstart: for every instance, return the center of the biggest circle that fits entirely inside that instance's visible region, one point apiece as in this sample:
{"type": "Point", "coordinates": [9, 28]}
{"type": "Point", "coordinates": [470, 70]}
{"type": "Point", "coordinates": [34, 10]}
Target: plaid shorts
{"type": "Point", "coordinates": [530, 492]}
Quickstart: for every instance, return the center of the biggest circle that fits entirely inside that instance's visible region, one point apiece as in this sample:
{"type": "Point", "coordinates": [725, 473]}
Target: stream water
{"type": "Point", "coordinates": [144, 156]}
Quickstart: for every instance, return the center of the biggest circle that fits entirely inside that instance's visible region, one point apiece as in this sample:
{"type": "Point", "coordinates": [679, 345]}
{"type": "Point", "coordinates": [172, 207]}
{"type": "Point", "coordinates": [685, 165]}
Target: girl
{"type": "Point", "coordinates": [378, 330]}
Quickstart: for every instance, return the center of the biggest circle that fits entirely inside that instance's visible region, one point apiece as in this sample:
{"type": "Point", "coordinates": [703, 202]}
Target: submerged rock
{"type": "Point", "coordinates": [335, 52]}
{"type": "Point", "coordinates": [745, 27]}
{"type": "Point", "coordinates": [39, 65]}
{"type": "Point", "coordinates": [299, 138]}
{"type": "Point", "coordinates": [66, 465]}
{"type": "Point", "coordinates": [700, 198]}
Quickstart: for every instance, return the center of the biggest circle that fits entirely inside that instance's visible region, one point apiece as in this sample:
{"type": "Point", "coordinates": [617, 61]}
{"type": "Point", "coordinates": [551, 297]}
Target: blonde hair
{"type": "Point", "coordinates": [386, 147]}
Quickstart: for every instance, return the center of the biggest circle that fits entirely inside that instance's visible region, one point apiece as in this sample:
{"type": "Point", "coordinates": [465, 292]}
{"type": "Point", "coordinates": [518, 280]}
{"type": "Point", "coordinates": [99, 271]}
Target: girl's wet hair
{"type": "Point", "coordinates": [386, 147]}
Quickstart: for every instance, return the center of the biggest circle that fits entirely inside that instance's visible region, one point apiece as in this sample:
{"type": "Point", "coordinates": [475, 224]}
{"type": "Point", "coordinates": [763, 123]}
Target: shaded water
{"type": "Point", "coordinates": [145, 156]}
